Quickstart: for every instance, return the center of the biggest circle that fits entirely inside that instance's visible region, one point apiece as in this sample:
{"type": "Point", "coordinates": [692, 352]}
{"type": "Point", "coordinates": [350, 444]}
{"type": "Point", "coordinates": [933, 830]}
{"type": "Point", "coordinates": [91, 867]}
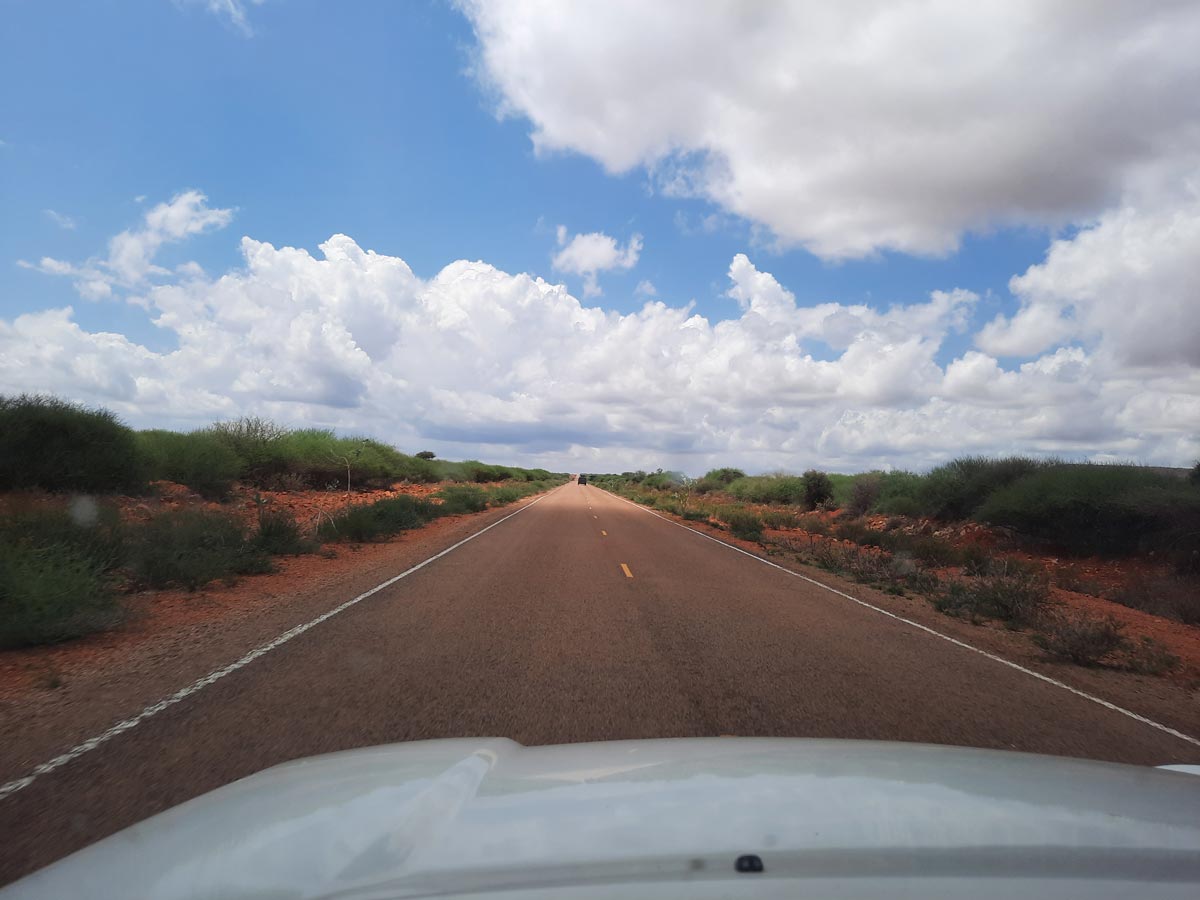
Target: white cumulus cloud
{"type": "Point", "coordinates": [855, 127]}
{"type": "Point", "coordinates": [589, 254]}
{"type": "Point", "coordinates": [1128, 281]}
{"type": "Point", "coordinates": [481, 362]}
{"type": "Point", "coordinates": [130, 259]}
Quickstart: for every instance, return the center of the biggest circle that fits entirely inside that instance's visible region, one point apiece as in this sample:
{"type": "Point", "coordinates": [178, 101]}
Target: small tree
{"type": "Point", "coordinates": [817, 488]}
{"type": "Point", "coordinates": [426, 454]}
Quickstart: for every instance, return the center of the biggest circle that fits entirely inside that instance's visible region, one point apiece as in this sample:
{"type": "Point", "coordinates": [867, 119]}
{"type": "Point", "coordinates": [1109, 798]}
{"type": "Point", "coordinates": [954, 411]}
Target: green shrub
{"type": "Point", "coordinates": [778, 518]}
{"type": "Point", "coordinates": [191, 547]}
{"type": "Point", "coordinates": [279, 534]}
{"type": "Point", "coordinates": [502, 496]}
{"type": "Point", "coordinates": [51, 593]}
{"type": "Point", "coordinates": [818, 488]}
{"type": "Point", "coordinates": [898, 493]}
{"type": "Point", "coordinates": [199, 460]}
{"type": "Point", "coordinates": [257, 443]}
{"type": "Point", "coordinates": [370, 521]}
{"type": "Point", "coordinates": [462, 499]}
{"type": "Point", "coordinates": [59, 446]}
{"type": "Point", "coordinates": [426, 454]}
{"type": "Point", "coordinates": [812, 524]}
{"type": "Point", "coordinates": [784, 489]}
{"type": "Point", "coordinates": [909, 507]}
{"type": "Point", "coordinates": [744, 524]}
{"type": "Point", "coordinates": [718, 479]}
{"type": "Point", "coordinates": [864, 494]}
{"type": "Point", "coordinates": [88, 529]}
{"type": "Point", "coordinates": [1016, 595]}
{"type": "Point", "coordinates": [1150, 657]}
{"type": "Point", "coordinates": [1079, 639]}
{"type": "Point", "coordinates": [695, 515]}
{"type": "Point", "coordinates": [1100, 509]}
{"type": "Point", "coordinates": [954, 491]}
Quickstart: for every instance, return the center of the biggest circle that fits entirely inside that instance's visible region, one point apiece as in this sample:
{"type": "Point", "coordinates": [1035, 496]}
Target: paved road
{"type": "Point", "coordinates": [581, 618]}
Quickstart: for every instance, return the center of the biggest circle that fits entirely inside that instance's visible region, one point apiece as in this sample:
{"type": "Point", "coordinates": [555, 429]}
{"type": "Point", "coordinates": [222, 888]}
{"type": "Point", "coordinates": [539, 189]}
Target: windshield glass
{"type": "Point", "coordinates": [557, 372]}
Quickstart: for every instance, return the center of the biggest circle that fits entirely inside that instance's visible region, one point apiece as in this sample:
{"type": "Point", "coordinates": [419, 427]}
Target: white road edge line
{"type": "Point", "coordinates": [183, 693]}
{"type": "Point", "coordinates": [945, 637]}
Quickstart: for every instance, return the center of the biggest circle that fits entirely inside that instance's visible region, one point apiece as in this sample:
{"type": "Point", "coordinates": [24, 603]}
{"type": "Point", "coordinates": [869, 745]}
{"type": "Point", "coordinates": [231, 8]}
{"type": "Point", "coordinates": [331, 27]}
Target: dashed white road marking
{"type": "Point", "coordinates": [1166, 729]}
{"type": "Point", "coordinates": [183, 693]}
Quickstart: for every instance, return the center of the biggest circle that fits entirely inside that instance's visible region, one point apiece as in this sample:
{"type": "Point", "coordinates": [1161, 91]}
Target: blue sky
{"type": "Point", "coordinates": [381, 121]}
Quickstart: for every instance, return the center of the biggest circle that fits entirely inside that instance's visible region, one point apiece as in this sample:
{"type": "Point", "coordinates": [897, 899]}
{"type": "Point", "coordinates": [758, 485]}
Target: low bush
{"type": "Point", "coordinates": [694, 514]}
{"type": "Point", "coordinates": [59, 446]}
{"type": "Point", "coordinates": [367, 522]}
{"type": "Point", "coordinates": [812, 524]}
{"type": "Point", "coordinates": [718, 479]}
{"type": "Point", "coordinates": [52, 593]}
{"type": "Point", "coordinates": [462, 499]}
{"type": "Point", "coordinates": [1016, 595]}
{"type": "Point", "coordinates": [778, 518]}
{"type": "Point", "coordinates": [199, 460]}
{"type": "Point", "coordinates": [502, 496]}
{"type": "Point", "coordinates": [88, 529]}
{"type": "Point", "coordinates": [893, 573]}
{"type": "Point", "coordinates": [279, 534]}
{"type": "Point", "coordinates": [192, 547]}
{"type": "Point", "coordinates": [744, 524]}
{"type": "Point", "coordinates": [864, 494]}
{"type": "Point", "coordinates": [1080, 639]}
{"type": "Point", "coordinates": [898, 493]}
{"type": "Point", "coordinates": [926, 548]}
{"type": "Point", "coordinates": [1149, 657]}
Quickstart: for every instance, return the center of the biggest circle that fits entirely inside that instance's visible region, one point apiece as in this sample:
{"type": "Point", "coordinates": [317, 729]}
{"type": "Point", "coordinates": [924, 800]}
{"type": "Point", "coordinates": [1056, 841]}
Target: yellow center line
{"type": "Point", "coordinates": [625, 569]}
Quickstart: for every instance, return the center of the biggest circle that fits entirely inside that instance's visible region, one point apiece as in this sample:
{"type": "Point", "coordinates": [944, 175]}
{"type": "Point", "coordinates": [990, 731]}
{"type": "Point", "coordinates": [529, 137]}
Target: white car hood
{"type": "Point", "coordinates": [659, 818]}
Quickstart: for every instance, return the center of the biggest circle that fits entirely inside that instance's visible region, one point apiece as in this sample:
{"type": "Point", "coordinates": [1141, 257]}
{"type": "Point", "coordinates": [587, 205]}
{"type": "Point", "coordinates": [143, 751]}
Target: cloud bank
{"type": "Point", "coordinates": [479, 361]}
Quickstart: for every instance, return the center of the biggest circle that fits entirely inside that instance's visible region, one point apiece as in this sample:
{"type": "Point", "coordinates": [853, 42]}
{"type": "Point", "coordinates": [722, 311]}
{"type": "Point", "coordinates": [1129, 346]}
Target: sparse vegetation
{"type": "Point", "coordinates": [63, 570]}
{"type": "Point", "coordinates": [743, 524]}
{"type": "Point", "coordinates": [1079, 639]}
{"type": "Point", "coordinates": [1015, 594]}
{"type": "Point", "coordinates": [191, 547]}
{"type": "Point", "coordinates": [279, 534]}
{"type": "Point", "coordinates": [1171, 597]}
{"type": "Point", "coordinates": [462, 499]}
{"type": "Point", "coordinates": [372, 521]}
{"type": "Point", "coordinates": [51, 593]}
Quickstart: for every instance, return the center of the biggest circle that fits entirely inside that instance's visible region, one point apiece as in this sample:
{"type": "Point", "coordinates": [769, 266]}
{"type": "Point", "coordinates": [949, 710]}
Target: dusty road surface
{"type": "Point", "coordinates": [582, 617]}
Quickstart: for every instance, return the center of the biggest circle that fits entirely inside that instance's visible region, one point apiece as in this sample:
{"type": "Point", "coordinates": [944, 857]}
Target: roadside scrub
{"type": "Point", "coordinates": [54, 445]}
{"type": "Point", "coordinates": [967, 583]}
{"type": "Point", "coordinates": [57, 575]}
{"type": "Point", "coordinates": [63, 571]}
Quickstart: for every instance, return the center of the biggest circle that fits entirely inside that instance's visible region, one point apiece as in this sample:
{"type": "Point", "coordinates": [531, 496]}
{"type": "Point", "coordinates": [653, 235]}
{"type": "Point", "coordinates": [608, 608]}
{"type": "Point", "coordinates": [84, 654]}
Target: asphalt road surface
{"type": "Point", "coordinates": [580, 618]}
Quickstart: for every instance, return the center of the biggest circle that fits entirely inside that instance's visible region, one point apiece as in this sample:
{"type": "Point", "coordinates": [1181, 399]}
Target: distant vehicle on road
{"type": "Point", "coordinates": [583, 479]}
{"type": "Point", "coordinates": [701, 817]}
